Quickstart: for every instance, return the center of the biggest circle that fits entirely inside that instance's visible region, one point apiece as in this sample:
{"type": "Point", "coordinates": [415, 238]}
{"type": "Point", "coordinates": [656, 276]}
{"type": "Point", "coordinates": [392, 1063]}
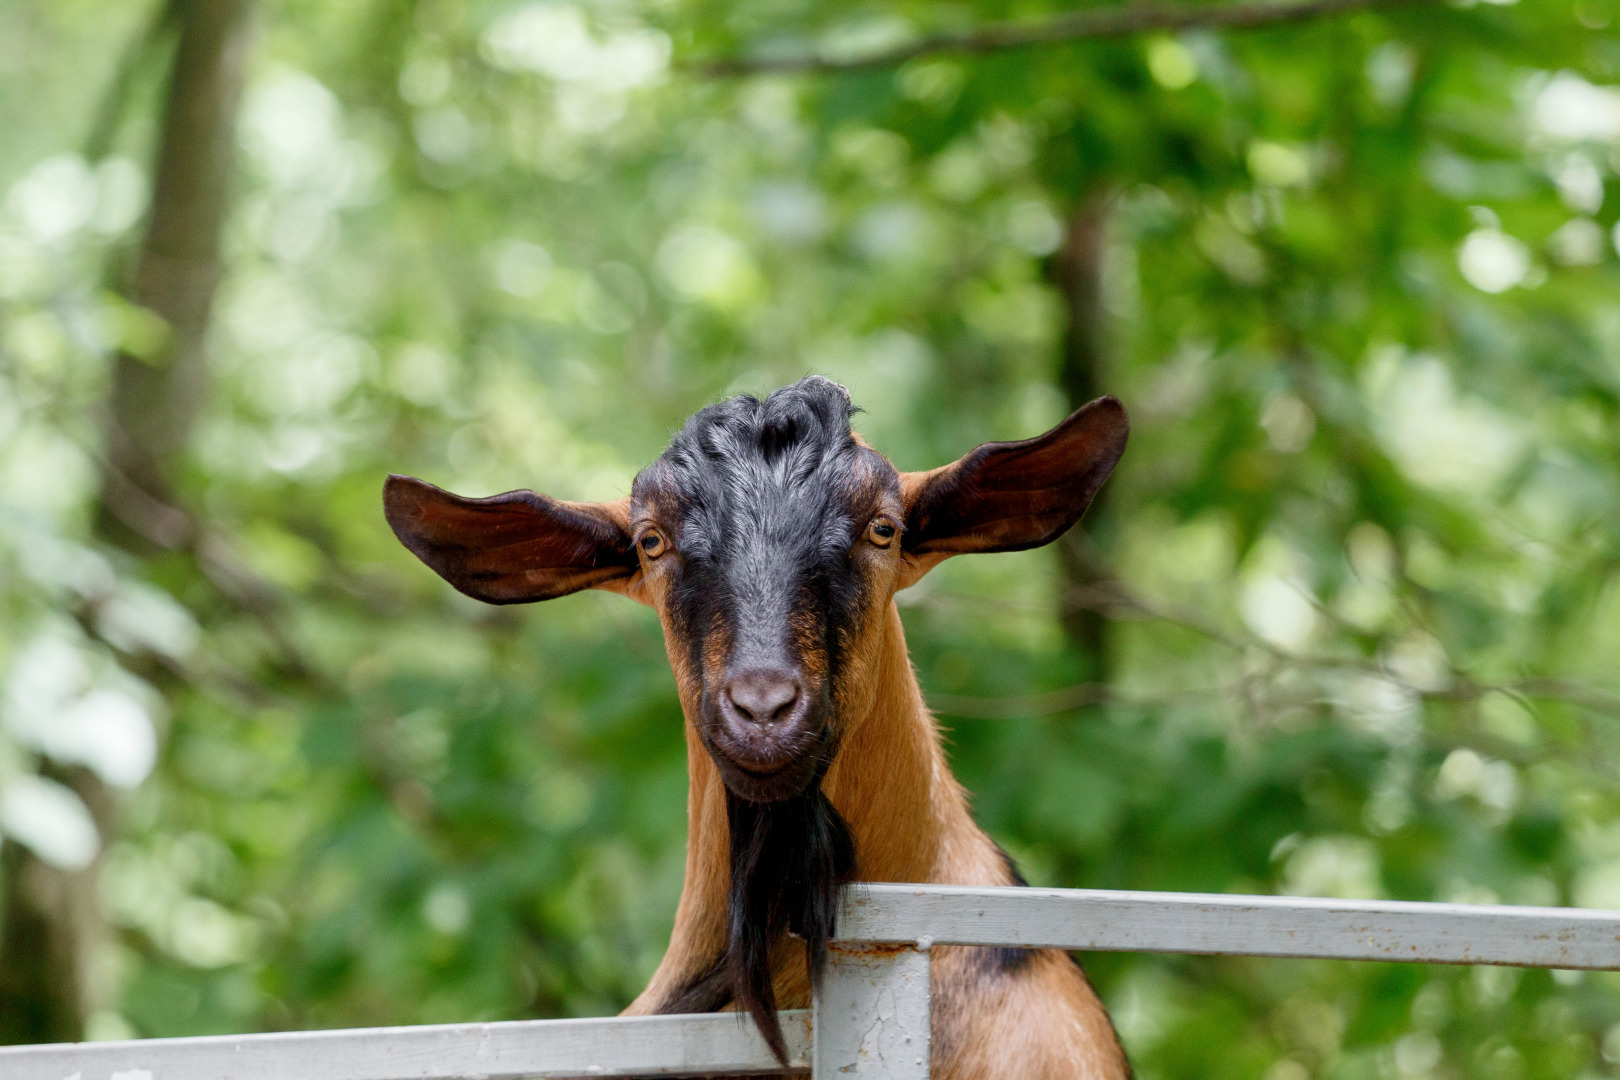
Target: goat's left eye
{"type": "Point", "coordinates": [881, 532]}
{"type": "Point", "coordinates": [652, 543]}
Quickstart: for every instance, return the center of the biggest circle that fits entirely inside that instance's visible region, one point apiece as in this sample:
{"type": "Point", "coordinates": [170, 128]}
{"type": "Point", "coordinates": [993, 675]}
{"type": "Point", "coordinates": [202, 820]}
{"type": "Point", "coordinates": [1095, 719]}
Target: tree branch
{"type": "Point", "coordinates": [1115, 21]}
{"type": "Point", "coordinates": [1113, 600]}
{"type": "Point", "coordinates": [1065, 699]}
{"type": "Point", "coordinates": [154, 401]}
{"type": "Point", "coordinates": [1077, 269]}
{"type": "Point", "coordinates": [116, 98]}
{"type": "Point", "coordinates": [1080, 695]}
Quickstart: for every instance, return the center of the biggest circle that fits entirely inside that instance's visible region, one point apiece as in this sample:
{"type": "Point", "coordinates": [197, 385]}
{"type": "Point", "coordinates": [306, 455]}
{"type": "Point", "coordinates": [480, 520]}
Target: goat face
{"type": "Point", "coordinates": [769, 537]}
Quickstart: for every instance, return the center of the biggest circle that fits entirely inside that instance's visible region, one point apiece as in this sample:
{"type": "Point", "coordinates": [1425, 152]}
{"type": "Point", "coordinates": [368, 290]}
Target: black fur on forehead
{"type": "Point", "coordinates": [794, 428]}
{"type": "Point", "coordinates": [795, 443]}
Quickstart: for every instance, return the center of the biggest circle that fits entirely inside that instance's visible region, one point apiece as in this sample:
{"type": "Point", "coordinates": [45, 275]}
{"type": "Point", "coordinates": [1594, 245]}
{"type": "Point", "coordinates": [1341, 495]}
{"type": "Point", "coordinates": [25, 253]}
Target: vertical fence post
{"type": "Point", "coordinates": [872, 1014]}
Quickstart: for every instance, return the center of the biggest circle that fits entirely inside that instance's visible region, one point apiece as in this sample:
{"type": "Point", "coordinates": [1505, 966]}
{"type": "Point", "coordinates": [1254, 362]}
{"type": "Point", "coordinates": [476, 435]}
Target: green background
{"type": "Point", "coordinates": [1346, 622]}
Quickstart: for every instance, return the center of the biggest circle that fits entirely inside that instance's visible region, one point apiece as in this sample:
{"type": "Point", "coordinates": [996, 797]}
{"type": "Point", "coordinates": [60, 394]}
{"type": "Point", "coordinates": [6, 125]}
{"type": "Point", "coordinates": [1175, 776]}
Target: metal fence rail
{"type": "Point", "coordinates": [870, 1019]}
{"type": "Point", "coordinates": [712, 1044]}
{"type": "Point", "coordinates": [1097, 920]}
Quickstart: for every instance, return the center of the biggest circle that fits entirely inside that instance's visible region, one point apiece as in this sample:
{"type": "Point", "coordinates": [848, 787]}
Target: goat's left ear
{"type": "Point", "coordinates": [1010, 496]}
{"type": "Point", "coordinates": [513, 548]}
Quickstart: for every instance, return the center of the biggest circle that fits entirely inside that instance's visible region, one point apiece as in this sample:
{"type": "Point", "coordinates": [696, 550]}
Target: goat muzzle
{"type": "Point", "coordinates": [766, 730]}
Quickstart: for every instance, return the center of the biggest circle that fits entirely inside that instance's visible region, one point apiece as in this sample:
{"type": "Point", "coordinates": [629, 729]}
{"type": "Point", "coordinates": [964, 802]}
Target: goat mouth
{"type": "Point", "coordinates": [767, 778]}
{"type": "Point", "coordinates": [765, 773]}
{"type": "Point", "coordinates": [756, 785]}
{"type": "Point", "coordinates": [767, 763]}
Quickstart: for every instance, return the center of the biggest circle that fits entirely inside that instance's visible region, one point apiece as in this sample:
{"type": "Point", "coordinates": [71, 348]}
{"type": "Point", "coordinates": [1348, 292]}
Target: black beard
{"type": "Point", "coordinates": [788, 861]}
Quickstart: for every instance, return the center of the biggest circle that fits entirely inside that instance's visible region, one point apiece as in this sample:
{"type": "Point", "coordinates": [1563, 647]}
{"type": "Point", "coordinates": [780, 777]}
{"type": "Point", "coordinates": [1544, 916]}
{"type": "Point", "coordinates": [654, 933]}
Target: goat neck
{"type": "Point", "coordinates": [892, 785]}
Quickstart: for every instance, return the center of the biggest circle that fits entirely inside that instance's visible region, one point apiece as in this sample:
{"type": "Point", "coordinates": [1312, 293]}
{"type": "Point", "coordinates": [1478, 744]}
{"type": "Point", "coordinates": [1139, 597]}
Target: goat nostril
{"type": "Point", "coordinates": [763, 696]}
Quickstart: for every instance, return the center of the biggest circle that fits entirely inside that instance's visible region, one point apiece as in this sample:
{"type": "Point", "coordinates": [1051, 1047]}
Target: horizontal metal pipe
{"type": "Point", "coordinates": [714, 1044]}
{"type": "Point", "coordinates": [1095, 920]}
{"type": "Point", "coordinates": [725, 1043]}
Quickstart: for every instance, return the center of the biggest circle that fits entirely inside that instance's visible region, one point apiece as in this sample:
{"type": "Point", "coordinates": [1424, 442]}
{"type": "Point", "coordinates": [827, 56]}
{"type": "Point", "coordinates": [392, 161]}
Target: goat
{"type": "Point", "coordinates": [771, 540]}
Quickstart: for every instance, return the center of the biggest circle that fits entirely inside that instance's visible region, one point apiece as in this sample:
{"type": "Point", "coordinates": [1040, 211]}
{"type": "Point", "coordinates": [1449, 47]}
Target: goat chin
{"type": "Point", "coordinates": [792, 781]}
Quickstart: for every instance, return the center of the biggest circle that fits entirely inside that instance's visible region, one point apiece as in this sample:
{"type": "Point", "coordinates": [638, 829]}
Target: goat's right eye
{"type": "Point", "coordinates": [652, 543]}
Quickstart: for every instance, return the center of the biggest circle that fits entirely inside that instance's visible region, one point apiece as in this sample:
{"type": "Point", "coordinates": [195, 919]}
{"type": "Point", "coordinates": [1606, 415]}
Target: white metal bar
{"type": "Point", "coordinates": [872, 1014]}
{"type": "Point", "coordinates": [874, 1003]}
{"type": "Point", "coordinates": [1105, 921]}
{"type": "Point", "coordinates": [714, 1044]}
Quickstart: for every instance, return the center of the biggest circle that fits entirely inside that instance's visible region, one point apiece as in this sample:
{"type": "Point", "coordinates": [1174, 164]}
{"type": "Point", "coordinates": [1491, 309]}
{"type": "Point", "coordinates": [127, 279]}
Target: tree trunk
{"type": "Point", "coordinates": [49, 922]}
{"type": "Point", "coordinates": [155, 400]}
{"type": "Point", "coordinates": [1077, 270]}
{"type": "Point", "coordinates": [52, 923]}
{"type": "Point", "coordinates": [39, 1000]}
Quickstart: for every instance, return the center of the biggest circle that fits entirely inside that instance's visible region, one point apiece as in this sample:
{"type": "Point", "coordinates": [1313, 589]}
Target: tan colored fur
{"type": "Point", "coordinates": [911, 823]}
{"type": "Point", "coordinates": [907, 815]}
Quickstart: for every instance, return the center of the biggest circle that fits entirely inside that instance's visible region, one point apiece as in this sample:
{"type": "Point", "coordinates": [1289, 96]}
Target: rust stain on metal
{"type": "Point", "coordinates": [877, 949]}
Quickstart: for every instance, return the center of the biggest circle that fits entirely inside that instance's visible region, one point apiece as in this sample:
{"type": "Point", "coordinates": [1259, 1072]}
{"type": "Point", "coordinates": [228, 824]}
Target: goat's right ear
{"type": "Point", "coordinates": [513, 548]}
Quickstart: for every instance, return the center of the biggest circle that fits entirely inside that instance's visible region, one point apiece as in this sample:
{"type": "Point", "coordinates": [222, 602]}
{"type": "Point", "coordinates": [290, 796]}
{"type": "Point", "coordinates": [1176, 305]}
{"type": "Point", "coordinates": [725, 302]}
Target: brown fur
{"type": "Point", "coordinates": [911, 823]}
{"type": "Point", "coordinates": [997, 1014]}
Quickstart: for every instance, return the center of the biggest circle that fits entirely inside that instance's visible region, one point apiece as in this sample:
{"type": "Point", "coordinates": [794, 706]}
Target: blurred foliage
{"type": "Point", "coordinates": [1364, 612]}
